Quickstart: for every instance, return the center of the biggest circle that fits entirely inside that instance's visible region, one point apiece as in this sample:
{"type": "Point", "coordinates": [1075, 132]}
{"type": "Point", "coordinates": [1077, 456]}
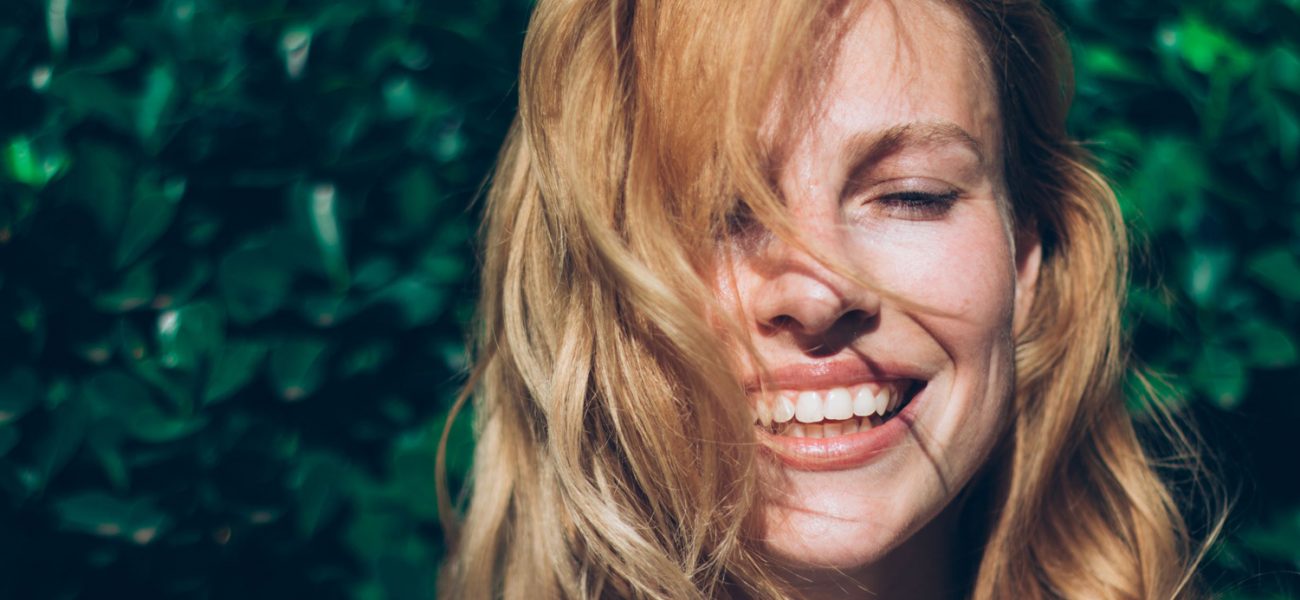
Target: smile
{"type": "Point", "coordinates": [841, 427]}
{"type": "Point", "coordinates": [833, 412]}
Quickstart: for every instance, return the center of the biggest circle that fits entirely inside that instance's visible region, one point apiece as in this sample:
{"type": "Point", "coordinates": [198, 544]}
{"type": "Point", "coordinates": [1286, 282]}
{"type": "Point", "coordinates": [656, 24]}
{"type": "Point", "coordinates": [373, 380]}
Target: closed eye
{"type": "Point", "coordinates": [916, 205]}
{"type": "Point", "coordinates": [740, 220]}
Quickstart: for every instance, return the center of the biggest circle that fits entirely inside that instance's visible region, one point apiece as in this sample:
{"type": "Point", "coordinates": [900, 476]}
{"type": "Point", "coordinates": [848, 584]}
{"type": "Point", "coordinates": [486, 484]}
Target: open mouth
{"type": "Point", "coordinates": [833, 412]}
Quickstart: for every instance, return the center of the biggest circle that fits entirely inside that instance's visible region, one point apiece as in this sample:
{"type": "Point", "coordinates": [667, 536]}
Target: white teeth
{"type": "Point", "coordinates": [828, 412]}
{"type": "Point", "coordinates": [784, 409]}
{"type": "Point", "coordinates": [864, 403]}
{"type": "Point", "coordinates": [882, 401]}
{"type": "Point", "coordinates": [827, 429]}
{"type": "Point", "coordinates": [809, 408]}
{"type": "Point", "coordinates": [839, 404]}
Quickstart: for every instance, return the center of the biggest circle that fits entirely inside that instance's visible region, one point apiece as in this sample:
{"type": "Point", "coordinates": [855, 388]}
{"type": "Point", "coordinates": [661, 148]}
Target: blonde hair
{"type": "Point", "coordinates": [615, 453]}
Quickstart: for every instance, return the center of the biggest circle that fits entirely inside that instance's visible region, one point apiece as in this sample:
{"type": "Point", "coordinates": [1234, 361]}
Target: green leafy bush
{"type": "Point", "coordinates": [1194, 109]}
{"type": "Point", "coordinates": [236, 268]}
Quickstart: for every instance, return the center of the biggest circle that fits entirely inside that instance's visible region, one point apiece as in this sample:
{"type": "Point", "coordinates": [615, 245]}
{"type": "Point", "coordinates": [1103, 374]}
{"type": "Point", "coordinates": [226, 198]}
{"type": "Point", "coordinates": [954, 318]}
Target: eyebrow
{"type": "Point", "coordinates": [869, 147]}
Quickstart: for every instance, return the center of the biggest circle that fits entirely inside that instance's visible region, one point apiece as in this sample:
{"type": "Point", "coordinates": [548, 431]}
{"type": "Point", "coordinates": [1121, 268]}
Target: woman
{"type": "Point", "coordinates": [805, 299]}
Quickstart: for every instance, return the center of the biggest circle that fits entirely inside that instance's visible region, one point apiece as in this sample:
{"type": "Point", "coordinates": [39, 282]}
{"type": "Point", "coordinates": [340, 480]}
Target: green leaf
{"type": "Point", "coordinates": [176, 385]}
{"type": "Point", "coordinates": [414, 456]}
{"type": "Point", "coordinates": [323, 212]}
{"type": "Point", "coordinates": [98, 513]}
{"type": "Point", "coordinates": [129, 402]}
{"type": "Point", "coordinates": [254, 283]}
{"type": "Point", "coordinates": [1107, 62]}
{"type": "Point", "coordinates": [401, 99]}
{"type": "Point", "coordinates": [105, 444]}
{"type": "Point", "coordinates": [90, 97]}
{"type": "Point", "coordinates": [321, 484]}
{"type": "Point", "coordinates": [1170, 181]}
{"type": "Point", "coordinates": [1284, 68]}
{"type": "Point", "coordinates": [233, 368]}
{"type": "Point", "coordinates": [416, 299]}
{"type": "Point", "coordinates": [116, 59]}
{"type": "Point", "coordinates": [1279, 538]}
{"type": "Point", "coordinates": [1278, 270]}
{"type": "Point", "coordinates": [374, 272]}
{"type": "Point", "coordinates": [26, 164]}
{"type": "Point", "coordinates": [189, 335]}
{"type": "Point", "coordinates": [415, 192]}
{"type": "Point", "coordinates": [180, 288]}
{"type": "Point", "coordinates": [326, 310]}
{"type": "Point", "coordinates": [56, 25]}
{"type": "Point", "coordinates": [1267, 345]}
{"type": "Point", "coordinates": [54, 448]}
{"type": "Point", "coordinates": [133, 290]}
{"type": "Point", "coordinates": [99, 181]}
{"type": "Point", "coordinates": [1207, 270]}
{"type": "Point", "coordinates": [1205, 46]}
{"type": "Point", "coordinates": [153, 105]}
{"type": "Point", "coordinates": [19, 392]}
{"type": "Point", "coordinates": [295, 45]}
{"type": "Point", "coordinates": [297, 367]}
{"type": "Point", "coordinates": [30, 317]}
{"type": "Point", "coordinates": [442, 267]}
{"type": "Point", "coordinates": [367, 357]}
{"type": "Point", "coordinates": [1220, 375]}
{"type": "Point", "coordinates": [148, 217]}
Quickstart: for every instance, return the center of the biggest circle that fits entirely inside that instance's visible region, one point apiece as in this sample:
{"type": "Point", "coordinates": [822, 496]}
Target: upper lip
{"type": "Point", "coordinates": [828, 374]}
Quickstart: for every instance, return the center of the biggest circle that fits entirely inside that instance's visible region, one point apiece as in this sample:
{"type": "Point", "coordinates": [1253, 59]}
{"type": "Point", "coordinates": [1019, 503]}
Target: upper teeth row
{"type": "Point", "coordinates": [837, 403]}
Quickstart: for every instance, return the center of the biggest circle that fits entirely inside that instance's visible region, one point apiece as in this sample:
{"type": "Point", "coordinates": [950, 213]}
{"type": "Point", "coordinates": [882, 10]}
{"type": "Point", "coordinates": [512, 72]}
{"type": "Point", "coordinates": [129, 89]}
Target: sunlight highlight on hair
{"type": "Point", "coordinates": [616, 452]}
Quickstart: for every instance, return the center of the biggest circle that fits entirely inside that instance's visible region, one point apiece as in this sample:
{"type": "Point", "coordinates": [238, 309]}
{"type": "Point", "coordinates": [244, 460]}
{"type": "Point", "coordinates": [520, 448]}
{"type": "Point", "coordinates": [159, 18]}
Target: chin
{"type": "Point", "coordinates": [847, 520]}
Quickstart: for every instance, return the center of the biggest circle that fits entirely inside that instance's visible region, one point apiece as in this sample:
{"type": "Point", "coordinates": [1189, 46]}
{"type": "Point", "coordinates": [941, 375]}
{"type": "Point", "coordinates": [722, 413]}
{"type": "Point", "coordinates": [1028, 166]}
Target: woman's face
{"type": "Point", "coordinates": [899, 180]}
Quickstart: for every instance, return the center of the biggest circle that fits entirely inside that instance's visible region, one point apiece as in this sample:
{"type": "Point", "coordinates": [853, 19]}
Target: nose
{"type": "Point", "coordinates": [810, 301]}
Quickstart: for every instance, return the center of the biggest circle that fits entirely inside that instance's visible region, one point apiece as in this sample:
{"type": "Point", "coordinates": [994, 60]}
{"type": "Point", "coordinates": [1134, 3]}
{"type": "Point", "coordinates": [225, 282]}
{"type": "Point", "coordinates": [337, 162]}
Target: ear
{"type": "Point", "coordinates": [1029, 258]}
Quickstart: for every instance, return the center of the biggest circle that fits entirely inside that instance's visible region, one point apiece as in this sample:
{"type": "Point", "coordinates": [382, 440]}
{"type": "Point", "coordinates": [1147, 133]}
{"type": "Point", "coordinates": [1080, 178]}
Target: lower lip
{"type": "Point", "coordinates": [843, 451]}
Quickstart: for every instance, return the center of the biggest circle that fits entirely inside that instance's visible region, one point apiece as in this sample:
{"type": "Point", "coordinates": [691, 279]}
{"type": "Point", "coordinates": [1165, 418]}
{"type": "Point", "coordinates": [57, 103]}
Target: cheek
{"type": "Point", "coordinates": [960, 272]}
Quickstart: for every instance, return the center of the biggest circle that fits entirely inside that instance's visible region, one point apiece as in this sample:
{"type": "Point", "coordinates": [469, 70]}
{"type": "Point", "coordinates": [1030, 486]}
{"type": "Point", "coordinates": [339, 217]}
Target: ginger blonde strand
{"type": "Point", "coordinates": [615, 454]}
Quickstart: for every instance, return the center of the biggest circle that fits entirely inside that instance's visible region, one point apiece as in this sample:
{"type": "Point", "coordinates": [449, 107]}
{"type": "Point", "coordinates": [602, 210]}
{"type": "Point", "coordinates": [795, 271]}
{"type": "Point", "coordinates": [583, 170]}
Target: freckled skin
{"type": "Point", "coordinates": [952, 289]}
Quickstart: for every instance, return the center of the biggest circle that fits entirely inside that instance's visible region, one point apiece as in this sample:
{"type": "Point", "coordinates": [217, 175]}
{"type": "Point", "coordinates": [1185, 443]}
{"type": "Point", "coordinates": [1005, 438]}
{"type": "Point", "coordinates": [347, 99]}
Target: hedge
{"type": "Point", "coordinates": [236, 267]}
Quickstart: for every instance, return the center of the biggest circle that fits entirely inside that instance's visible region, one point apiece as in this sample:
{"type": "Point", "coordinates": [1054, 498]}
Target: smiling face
{"type": "Point", "coordinates": [881, 403]}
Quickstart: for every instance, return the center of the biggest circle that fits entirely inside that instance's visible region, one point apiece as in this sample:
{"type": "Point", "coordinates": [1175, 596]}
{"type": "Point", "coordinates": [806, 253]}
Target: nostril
{"type": "Point", "coordinates": [856, 320]}
{"type": "Point", "coordinates": [841, 334]}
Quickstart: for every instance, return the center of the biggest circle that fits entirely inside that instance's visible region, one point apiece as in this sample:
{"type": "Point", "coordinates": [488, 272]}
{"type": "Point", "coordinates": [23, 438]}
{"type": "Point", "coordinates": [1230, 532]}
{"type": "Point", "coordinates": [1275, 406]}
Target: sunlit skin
{"type": "Point", "coordinates": [925, 218]}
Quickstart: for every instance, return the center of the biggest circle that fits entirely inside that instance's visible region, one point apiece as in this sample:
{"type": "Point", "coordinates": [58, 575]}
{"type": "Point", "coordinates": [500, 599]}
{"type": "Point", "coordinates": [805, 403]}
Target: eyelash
{"type": "Point", "coordinates": [907, 204]}
{"type": "Point", "coordinates": [916, 205]}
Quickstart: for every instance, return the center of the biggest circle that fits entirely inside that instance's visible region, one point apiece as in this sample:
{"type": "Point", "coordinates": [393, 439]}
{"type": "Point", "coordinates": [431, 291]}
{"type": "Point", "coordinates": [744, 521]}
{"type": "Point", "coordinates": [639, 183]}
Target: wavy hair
{"type": "Point", "coordinates": [616, 452]}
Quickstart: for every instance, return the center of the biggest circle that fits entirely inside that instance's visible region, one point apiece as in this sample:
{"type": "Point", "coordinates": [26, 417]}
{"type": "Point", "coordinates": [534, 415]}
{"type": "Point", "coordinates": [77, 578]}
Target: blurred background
{"type": "Point", "coordinates": [236, 266]}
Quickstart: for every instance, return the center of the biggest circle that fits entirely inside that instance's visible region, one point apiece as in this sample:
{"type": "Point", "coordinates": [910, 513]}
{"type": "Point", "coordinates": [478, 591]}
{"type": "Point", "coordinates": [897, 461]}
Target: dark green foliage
{"type": "Point", "coordinates": [1194, 109]}
{"type": "Point", "coordinates": [236, 271]}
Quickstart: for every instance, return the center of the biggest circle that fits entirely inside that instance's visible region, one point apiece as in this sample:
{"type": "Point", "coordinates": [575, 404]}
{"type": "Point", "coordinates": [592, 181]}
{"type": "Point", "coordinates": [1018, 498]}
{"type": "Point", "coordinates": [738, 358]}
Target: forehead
{"type": "Point", "coordinates": [899, 64]}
